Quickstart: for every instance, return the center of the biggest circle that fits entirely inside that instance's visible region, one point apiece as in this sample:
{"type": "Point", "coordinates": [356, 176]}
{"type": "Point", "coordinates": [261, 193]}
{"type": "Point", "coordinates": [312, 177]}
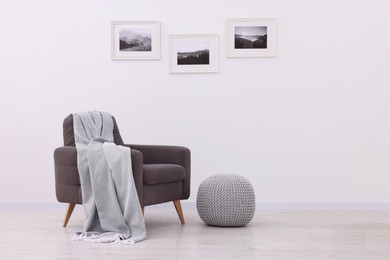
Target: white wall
{"type": "Point", "coordinates": [311, 125]}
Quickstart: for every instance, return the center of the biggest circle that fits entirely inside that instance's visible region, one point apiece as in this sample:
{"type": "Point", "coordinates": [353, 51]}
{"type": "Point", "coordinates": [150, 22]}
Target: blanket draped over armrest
{"type": "Point", "coordinates": [110, 200]}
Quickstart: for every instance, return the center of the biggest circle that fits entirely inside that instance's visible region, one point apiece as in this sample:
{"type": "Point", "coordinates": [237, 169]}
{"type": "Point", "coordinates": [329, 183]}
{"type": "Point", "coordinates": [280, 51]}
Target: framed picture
{"type": "Point", "coordinates": [251, 37]}
{"type": "Point", "coordinates": [193, 53]}
{"type": "Point", "coordinates": [135, 40]}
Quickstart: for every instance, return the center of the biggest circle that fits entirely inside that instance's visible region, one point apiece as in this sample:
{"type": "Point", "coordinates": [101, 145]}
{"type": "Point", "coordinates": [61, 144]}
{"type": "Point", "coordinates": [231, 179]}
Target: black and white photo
{"type": "Point", "coordinates": [135, 40]}
{"type": "Point", "coordinates": [251, 37]}
{"type": "Point", "coordinates": [193, 53]}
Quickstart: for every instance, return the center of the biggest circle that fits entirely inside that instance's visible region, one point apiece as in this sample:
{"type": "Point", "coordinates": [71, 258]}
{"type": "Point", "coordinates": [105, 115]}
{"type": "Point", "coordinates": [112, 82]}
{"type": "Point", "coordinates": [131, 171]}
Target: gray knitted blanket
{"type": "Point", "coordinates": [110, 200]}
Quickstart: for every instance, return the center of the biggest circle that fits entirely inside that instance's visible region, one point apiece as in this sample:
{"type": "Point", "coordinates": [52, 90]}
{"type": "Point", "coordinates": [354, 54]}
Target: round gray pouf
{"type": "Point", "coordinates": [226, 200]}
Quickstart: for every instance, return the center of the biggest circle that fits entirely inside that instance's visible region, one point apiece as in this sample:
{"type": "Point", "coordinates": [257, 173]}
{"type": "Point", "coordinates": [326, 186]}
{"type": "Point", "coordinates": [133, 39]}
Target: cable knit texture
{"type": "Point", "coordinates": [226, 200]}
{"type": "Point", "coordinates": [110, 200]}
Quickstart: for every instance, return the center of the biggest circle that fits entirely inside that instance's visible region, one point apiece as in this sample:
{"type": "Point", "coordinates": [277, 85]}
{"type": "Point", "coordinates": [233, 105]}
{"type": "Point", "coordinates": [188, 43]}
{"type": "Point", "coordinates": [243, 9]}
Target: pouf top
{"type": "Point", "coordinates": [227, 177]}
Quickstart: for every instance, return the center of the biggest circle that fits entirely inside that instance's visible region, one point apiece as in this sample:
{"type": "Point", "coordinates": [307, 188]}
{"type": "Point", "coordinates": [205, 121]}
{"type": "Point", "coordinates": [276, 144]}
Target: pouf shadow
{"type": "Point", "coordinates": [226, 200]}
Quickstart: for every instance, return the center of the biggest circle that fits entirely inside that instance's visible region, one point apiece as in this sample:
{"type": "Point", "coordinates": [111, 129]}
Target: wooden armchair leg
{"type": "Point", "coordinates": [68, 213]}
{"type": "Point", "coordinates": [179, 211]}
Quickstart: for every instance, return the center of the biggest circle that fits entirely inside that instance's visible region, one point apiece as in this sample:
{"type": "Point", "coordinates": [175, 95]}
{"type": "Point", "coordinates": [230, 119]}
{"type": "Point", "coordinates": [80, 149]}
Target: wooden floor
{"type": "Point", "coordinates": [38, 234]}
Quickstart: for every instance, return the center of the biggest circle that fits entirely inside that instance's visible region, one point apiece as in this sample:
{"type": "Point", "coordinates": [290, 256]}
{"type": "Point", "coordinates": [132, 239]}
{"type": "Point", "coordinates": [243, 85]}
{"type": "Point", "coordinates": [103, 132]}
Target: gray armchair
{"type": "Point", "coordinates": [161, 173]}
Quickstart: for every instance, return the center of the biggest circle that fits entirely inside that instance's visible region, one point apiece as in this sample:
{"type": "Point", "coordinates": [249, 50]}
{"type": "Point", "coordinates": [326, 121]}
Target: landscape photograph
{"type": "Point", "coordinates": [250, 37]}
{"type": "Point", "coordinates": [193, 53]}
{"type": "Point", "coordinates": [135, 40]}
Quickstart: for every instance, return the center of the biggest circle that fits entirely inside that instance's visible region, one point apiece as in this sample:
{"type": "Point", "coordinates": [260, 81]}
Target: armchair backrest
{"type": "Point", "coordinates": [69, 132]}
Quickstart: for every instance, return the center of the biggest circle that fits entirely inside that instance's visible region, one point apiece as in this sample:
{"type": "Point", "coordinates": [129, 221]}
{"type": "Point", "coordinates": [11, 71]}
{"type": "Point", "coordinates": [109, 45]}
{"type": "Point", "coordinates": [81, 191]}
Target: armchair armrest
{"type": "Point", "coordinates": [138, 173]}
{"type": "Point", "coordinates": [163, 154]}
{"type": "Point", "coordinates": [65, 156]}
{"type": "Point", "coordinates": [67, 175]}
{"type": "Point", "coordinates": [67, 179]}
{"type": "Point", "coordinates": [169, 155]}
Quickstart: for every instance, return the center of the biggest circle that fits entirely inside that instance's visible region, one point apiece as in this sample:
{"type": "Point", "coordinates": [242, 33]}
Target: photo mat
{"type": "Point", "coordinates": [135, 40]}
{"type": "Point", "coordinates": [251, 37]}
{"type": "Point", "coordinates": [193, 53]}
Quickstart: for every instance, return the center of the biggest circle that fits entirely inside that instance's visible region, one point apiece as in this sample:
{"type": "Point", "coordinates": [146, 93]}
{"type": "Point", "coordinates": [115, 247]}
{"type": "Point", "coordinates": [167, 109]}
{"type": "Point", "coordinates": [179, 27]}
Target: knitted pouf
{"type": "Point", "coordinates": [226, 200]}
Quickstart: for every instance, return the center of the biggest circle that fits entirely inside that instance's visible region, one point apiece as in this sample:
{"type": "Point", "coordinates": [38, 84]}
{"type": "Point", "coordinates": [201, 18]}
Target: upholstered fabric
{"type": "Point", "coordinates": [68, 179]}
{"type": "Point", "coordinates": [66, 175]}
{"type": "Point", "coordinates": [69, 132]}
{"type": "Point", "coordinates": [162, 154]}
{"type": "Point", "coordinates": [149, 188]}
{"type": "Point", "coordinates": [164, 192]}
{"type": "Point", "coordinates": [163, 173]}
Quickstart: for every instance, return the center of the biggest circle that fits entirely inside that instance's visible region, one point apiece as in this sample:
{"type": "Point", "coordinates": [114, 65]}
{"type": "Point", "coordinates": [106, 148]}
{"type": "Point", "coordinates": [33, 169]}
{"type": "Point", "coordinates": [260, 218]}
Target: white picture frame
{"type": "Point", "coordinates": [251, 37]}
{"type": "Point", "coordinates": [135, 40]}
{"type": "Point", "coordinates": [193, 53]}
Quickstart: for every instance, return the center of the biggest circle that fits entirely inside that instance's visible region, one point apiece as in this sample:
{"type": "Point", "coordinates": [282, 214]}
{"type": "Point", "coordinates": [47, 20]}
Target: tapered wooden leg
{"type": "Point", "coordinates": [68, 213]}
{"type": "Point", "coordinates": [179, 211]}
{"type": "Point", "coordinates": [143, 210]}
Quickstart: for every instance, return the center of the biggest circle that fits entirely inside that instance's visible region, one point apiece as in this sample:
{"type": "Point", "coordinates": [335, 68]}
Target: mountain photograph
{"type": "Point", "coordinates": [193, 53]}
{"type": "Point", "coordinates": [135, 40]}
{"type": "Point", "coordinates": [250, 37]}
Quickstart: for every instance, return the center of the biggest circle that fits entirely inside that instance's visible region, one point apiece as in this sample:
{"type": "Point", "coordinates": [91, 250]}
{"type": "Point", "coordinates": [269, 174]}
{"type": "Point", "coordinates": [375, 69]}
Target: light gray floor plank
{"type": "Point", "coordinates": [330, 235]}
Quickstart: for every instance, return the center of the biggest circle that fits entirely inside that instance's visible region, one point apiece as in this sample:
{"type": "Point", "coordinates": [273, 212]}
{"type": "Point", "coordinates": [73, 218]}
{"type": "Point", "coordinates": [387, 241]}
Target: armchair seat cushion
{"type": "Point", "coordinates": [163, 173]}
